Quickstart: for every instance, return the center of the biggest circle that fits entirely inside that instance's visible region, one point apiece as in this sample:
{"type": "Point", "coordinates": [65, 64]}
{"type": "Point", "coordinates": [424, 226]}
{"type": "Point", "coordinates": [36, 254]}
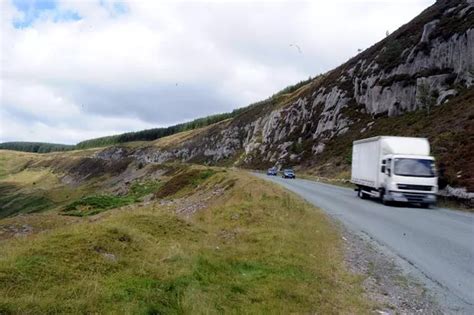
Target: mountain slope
{"type": "Point", "coordinates": [425, 66]}
{"type": "Point", "coordinates": [416, 82]}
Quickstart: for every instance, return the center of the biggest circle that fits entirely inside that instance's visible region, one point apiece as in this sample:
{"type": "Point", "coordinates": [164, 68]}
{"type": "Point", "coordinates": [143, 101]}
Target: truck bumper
{"type": "Point", "coordinates": [410, 197]}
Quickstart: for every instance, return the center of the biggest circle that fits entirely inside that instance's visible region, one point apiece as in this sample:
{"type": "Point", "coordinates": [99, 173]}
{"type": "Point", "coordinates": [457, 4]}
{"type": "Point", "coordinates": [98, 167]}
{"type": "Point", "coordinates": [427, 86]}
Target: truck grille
{"type": "Point", "coordinates": [414, 198]}
{"type": "Point", "coordinates": [414, 187]}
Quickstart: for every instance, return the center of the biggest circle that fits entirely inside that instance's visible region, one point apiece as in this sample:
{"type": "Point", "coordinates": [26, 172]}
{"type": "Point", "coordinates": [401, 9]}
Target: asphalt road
{"type": "Point", "coordinates": [437, 242]}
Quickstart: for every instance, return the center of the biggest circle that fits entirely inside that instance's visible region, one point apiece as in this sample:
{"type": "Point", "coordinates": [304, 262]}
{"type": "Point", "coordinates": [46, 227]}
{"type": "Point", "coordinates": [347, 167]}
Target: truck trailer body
{"type": "Point", "coordinates": [394, 169]}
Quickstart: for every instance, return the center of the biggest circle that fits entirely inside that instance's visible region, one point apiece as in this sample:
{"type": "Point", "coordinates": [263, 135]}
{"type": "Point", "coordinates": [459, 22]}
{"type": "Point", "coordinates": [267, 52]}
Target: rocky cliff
{"type": "Point", "coordinates": [420, 67]}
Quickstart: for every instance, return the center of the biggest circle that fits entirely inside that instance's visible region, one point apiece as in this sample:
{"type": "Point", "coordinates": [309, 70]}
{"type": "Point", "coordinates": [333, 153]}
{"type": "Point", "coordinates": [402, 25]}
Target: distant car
{"type": "Point", "coordinates": [288, 173]}
{"type": "Point", "coordinates": [272, 171]}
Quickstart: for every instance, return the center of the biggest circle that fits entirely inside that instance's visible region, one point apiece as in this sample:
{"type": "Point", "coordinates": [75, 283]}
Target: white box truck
{"type": "Point", "coordinates": [394, 169]}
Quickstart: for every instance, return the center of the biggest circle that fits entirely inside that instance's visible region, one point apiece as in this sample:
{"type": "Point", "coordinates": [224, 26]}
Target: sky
{"type": "Point", "coordinates": [72, 70]}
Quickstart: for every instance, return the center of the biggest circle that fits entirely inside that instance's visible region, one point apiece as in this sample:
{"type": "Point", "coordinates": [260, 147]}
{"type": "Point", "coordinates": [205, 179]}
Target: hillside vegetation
{"type": "Point", "coordinates": [172, 239]}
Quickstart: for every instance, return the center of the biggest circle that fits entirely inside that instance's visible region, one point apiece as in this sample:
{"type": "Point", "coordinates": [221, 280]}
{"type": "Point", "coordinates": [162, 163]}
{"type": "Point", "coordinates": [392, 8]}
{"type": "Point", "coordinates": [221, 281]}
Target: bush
{"type": "Point", "coordinates": [391, 57]}
{"type": "Point", "coordinates": [426, 96]}
{"type": "Point", "coordinates": [192, 178]}
{"type": "Point", "coordinates": [91, 205]}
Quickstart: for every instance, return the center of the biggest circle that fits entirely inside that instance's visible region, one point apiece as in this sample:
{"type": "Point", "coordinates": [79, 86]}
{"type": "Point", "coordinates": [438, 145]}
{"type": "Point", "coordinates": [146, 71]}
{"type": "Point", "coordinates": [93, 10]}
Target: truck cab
{"type": "Point", "coordinates": [408, 178]}
{"type": "Point", "coordinates": [392, 169]}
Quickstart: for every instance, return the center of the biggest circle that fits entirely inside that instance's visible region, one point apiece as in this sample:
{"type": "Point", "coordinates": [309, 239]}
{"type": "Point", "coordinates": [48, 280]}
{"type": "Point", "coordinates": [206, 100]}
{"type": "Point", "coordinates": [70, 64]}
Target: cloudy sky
{"type": "Point", "coordinates": [77, 69]}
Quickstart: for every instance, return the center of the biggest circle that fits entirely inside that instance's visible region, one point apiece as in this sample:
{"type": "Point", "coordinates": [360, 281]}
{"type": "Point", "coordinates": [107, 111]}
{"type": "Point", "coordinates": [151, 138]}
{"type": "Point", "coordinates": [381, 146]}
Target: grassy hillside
{"type": "Point", "coordinates": [192, 240]}
{"type": "Point", "coordinates": [29, 183]}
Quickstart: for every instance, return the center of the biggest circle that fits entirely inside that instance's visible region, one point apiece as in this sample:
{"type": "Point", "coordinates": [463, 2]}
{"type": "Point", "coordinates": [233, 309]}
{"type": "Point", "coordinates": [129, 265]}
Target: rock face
{"type": "Point", "coordinates": [422, 64]}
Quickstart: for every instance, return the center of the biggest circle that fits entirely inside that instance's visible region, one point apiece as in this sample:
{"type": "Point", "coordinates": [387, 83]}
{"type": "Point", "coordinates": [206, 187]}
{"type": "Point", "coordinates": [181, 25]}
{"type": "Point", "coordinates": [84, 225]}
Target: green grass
{"type": "Point", "coordinates": [14, 200]}
{"type": "Point", "coordinates": [185, 180]}
{"type": "Point", "coordinates": [139, 189]}
{"type": "Point", "coordinates": [254, 250]}
{"type": "Point", "coordinates": [201, 176]}
{"type": "Point", "coordinates": [91, 205]}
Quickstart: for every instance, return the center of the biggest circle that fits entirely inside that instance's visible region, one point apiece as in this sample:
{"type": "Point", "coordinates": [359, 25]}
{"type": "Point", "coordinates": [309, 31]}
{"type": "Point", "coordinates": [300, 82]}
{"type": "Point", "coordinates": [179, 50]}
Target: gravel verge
{"type": "Point", "coordinates": [391, 288]}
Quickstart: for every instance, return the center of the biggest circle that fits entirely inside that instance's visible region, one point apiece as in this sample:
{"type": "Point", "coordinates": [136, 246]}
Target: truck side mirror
{"type": "Point", "coordinates": [382, 169]}
{"type": "Point", "coordinates": [388, 172]}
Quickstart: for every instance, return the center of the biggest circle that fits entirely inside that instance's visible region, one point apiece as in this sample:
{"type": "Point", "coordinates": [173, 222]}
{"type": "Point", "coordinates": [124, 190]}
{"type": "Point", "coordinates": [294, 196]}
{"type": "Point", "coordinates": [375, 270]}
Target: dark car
{"type": "Point", "coordinates": [272, 171]}
{"type": "Point", "coordinates": [288, 173]}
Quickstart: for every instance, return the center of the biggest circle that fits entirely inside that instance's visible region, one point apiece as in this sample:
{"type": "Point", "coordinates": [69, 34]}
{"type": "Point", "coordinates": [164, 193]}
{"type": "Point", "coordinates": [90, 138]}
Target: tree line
{"type": "Point", "coordinates": [36, 147]}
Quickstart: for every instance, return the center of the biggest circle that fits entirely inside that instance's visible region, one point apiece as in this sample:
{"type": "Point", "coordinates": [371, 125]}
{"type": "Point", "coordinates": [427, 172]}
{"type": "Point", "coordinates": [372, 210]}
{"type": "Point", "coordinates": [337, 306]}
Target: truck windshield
{"type": "Point", "coordinates": [414, 167]}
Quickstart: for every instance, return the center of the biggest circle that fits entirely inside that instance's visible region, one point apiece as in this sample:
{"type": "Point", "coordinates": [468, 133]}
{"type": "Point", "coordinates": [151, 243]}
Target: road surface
{"type": "Point", "coordinates": [437, 243]}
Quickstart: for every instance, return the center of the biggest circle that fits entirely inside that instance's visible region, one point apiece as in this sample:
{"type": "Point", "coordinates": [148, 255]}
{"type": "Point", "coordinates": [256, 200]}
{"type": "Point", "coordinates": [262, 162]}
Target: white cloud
{"type": "Point", "coordinates": [143, 64]}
